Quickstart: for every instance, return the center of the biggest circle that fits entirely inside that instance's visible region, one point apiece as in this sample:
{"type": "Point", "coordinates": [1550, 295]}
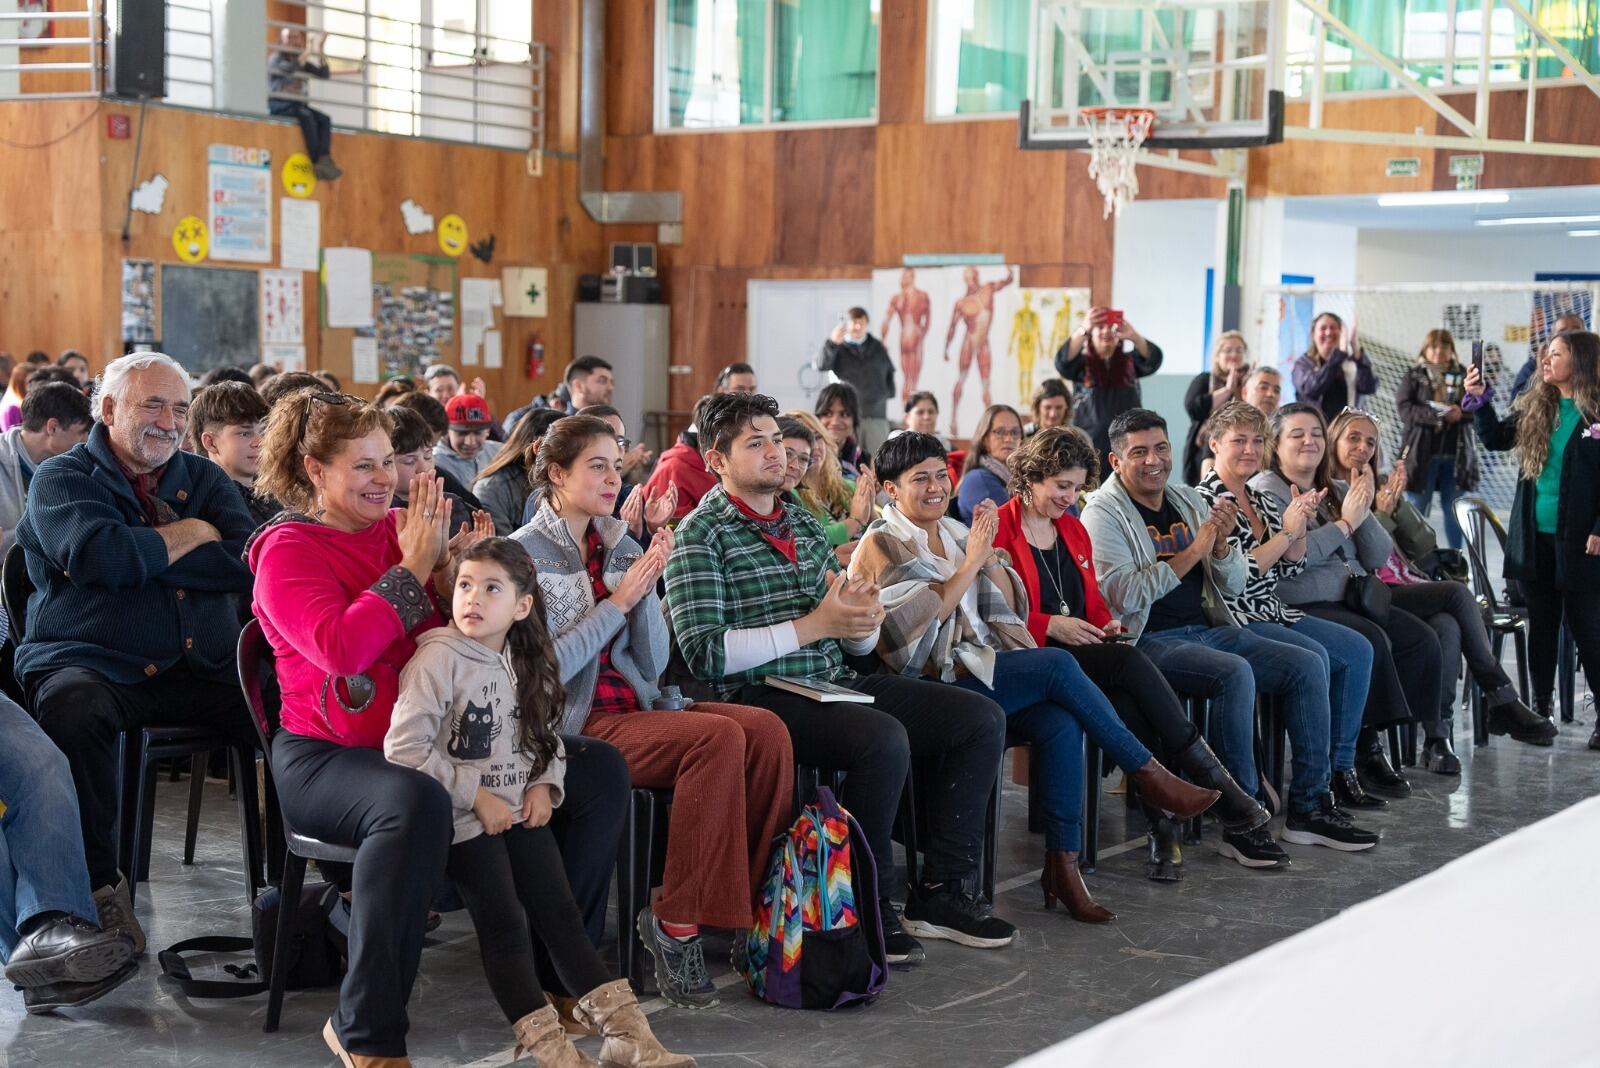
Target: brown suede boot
{"type": "Point", "coordinates": [541, 1034]}
{"type": "Point", "coordinates": [358, 1060]}
{"type": "Point", "coordinates": [1062, 879]}
{"type": "Point", "coordinates": [628, 1042]}
{"type": "Point", "coordinates": [566, 1008]}
{"type": "Point", "coordinates": [1164, 790]}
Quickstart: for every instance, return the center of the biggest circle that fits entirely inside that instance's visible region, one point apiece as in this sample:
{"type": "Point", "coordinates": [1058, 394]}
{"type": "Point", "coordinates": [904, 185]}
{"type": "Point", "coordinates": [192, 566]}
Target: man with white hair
{"type": "Point", "coordinates": [133, 548]}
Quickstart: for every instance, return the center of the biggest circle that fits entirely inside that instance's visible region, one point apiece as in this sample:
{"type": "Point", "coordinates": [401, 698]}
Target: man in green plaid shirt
{"type": "Point", "coordinates": [754, 590]}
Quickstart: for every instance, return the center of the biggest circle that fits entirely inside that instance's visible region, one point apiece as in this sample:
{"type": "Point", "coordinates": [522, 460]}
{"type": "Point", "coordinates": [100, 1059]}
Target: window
{"type": "Point", "coordinates": [461, 70]}
{"type": "Point", "coordinates": [1437, 43]}
{"type": "Point", "coordinates": [724, 63]}
{"type": "Point", "coordinates": [980, 56]}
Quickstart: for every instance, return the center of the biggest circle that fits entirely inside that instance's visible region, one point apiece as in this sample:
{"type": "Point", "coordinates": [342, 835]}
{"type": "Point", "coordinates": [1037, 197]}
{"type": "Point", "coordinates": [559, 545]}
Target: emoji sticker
{"type": "Point", "coordinates": [452, 235]}
{"type": "Point", "coordinates": [190, 240]}
{"type": "Point", "coordinates": [299, 179]}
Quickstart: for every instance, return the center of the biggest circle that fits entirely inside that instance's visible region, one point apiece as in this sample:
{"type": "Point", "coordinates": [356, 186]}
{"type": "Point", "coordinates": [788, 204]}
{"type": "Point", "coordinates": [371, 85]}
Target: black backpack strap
{"type": "Point", "coordinates": [174, 967]}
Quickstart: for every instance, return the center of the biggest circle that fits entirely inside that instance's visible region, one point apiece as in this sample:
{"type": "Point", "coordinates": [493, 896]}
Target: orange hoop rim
{"type": "Point", "coordinates": [1131, 117]}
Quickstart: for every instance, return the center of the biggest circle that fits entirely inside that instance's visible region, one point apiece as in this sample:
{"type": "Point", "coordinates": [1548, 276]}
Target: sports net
{"type": "Point", "coordinates": [1512, 320]}
{"type": "Point", "coordinates": [1115, 135]}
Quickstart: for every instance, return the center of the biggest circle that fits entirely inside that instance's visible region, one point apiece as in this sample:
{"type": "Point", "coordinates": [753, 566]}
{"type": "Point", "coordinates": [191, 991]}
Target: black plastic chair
{"type": "Point", "coordinates": [641, 862]}
{"type": "Point", "coordinates": [255, 668]}
{"type": "Point", "coordinates": [137, 756]}
{"type": "Point", "coordinates": [1477, 521]}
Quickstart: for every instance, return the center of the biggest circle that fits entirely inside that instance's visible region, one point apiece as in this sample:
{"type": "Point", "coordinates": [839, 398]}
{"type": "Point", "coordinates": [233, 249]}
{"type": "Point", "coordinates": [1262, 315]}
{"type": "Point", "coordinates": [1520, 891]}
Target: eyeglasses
{"type": "Point", "coordinates": [803, 459]}
{"type": "Point", "coordinates": [623, 443]}
{"type": "Point", "coordinates": [1008, 433]}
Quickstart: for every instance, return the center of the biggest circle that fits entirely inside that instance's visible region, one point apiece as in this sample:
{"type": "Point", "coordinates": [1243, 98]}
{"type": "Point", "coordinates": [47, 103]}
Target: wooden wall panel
{"type": "Point", "coordinates": [630, 43]}
{"type": "Point", "coordinates": [1568, 113]}
{"type": "Point", "coordinates": [1311, 168]}
{"type": "Point", "coordinates": [823, 210]}
{"type": "Point", "coordinates": [902, 71]}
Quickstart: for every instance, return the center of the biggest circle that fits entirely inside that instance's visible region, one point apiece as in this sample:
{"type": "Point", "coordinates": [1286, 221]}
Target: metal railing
{"type": "Point", "coordinates": [413, 77]}
{"type": "Point", "coordinates": [63, 66]}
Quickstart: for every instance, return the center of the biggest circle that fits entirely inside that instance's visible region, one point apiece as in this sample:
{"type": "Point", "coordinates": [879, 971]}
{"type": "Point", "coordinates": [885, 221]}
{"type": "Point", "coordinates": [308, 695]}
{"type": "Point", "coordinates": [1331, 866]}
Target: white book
{"type": "Point", "coordinates": [817, 690]}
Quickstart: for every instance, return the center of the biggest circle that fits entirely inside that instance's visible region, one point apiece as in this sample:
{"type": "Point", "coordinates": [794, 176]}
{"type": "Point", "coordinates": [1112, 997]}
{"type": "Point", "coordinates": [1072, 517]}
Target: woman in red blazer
{"type": "Point", "coordinates": [1050, 549]}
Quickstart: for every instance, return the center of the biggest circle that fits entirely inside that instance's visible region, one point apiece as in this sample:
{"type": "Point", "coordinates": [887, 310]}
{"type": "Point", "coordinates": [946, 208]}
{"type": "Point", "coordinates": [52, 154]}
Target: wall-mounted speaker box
{"type": "Point", "coordinates": [139, 49]}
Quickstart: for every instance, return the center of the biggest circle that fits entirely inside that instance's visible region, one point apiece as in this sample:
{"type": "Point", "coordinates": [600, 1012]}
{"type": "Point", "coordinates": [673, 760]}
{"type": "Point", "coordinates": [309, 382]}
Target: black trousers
{"type": "Point", "coordinates": [960, 733]}
{"type": "Point", "coordinates": [516, 890]}
{"type": "Point", "coordinates": [1395, 697]}
{"type": "Point", "coordinates": [1450, 609]}
{"type": "Point", "coordinates": [315, 126]}
{"type": "Point", "coordinates": [587, 828]}
{"type": "Point", "coordinates": [399, 821]}
{"type": "Point", "coordinates": [83, 712]}
{"type": "Point", "coordinates": [1144, 700]}
{"type": "Point", "coordinates": [1547, 605]}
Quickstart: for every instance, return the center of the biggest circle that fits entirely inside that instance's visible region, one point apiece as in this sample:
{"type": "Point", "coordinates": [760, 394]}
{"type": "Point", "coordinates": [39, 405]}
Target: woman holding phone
{"type": "Point", "coordinates": [1104, 360]}
{"type": "Point", "coordinates": [1553, 541]}
{"type": "Point", "coordinates": [1440, 456]}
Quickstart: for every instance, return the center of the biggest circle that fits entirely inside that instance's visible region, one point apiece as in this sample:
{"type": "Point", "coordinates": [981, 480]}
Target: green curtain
{"type": "Point", "coordinates": [679, 44]}
{"type": "Point", "coordinates": [752, 16]}
{"type": "Point", "coordinates": [1382, 23]}
{"type": "Point", "coordinates": [827, 60]}
{"type": "Point", "coordinates": [992, 70]}
{"type": "Point", "coordinates": [1576, 24]}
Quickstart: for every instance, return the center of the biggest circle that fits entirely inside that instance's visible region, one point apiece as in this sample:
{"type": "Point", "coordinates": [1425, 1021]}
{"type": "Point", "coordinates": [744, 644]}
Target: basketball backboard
{"type": "Point", "coordinates": [1211, 70]}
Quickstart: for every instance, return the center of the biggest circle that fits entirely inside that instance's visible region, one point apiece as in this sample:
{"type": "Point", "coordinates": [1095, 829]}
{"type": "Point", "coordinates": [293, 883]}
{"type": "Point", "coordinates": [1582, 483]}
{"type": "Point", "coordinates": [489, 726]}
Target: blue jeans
{"type": "Point", "coordinates": [41, 849]}
{"type": "Point", "coordinates": [1347, 656]}
{"type": "Point", "coordinates": [1440, 477]}
{"type": "Point", "coordinates": [1227, 664]}
{"type": "Point", "coordinates": [1050, 702]}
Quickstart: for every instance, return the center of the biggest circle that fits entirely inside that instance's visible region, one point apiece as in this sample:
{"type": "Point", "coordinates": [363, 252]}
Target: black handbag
{"type": "Point", "coordinates": [1367, 595]}
{"type": "Point", "coordinates": [318, 947]}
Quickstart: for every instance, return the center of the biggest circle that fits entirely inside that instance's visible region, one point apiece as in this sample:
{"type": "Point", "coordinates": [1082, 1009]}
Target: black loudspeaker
{"type": "Point", "coordinates": [139, 50]}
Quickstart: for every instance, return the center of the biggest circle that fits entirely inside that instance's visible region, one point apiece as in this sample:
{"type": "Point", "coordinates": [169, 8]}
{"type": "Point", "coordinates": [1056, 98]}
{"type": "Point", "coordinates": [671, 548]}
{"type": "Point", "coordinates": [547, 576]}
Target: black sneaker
{"type": "Point", "coordinates": [681, 976]}
{"type": "Point", "coordinates": [1327, 825]}
{"type": "Point", "coordinates": [898, 946]}
{"type": "Point", "coordinates": [39, 1000]}
{"type": "Point", "coordinates": [1253, 849]}
{"type": "Point", "coordinates": [949, 913]}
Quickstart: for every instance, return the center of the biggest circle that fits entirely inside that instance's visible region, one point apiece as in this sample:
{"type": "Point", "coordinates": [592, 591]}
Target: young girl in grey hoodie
{"type": "Point", "coordinates": [478, 709]}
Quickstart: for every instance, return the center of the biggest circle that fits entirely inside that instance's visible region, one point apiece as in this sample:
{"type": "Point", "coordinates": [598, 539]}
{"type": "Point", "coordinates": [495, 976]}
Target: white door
{"type": "Point", "coordinates": [788, 322]}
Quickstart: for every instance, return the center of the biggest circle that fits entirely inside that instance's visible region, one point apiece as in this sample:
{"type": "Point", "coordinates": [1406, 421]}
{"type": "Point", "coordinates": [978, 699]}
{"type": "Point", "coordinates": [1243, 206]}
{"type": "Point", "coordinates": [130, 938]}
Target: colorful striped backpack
{"type": "Point", "coordinates": [817, 940]}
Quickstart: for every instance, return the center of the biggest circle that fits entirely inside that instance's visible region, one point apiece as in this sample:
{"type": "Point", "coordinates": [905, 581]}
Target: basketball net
{"type": "Point", "coordinates": [1115, 135]}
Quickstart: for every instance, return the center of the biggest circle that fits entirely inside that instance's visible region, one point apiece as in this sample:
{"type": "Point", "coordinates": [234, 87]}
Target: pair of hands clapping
{"type": "Point", "coordinates": [642, 575]}
{"type": "Point", "coordinates": [652, 512]}
{"type": "Point", "coordinates": [426, 545]}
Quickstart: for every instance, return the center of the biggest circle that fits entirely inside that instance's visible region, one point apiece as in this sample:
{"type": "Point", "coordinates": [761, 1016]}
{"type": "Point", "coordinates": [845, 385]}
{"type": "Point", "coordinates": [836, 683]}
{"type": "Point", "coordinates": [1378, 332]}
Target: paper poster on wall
{"type": "Point", "coordinates": [347, 286]}
{"type": "Point", "coordinates": [282, 308]}
{"type": "Point", "coordinates": [150, 195]}
{"type": "Point", "coordinates": [416, 311]}
{"type": "Point", "coordinates": [239, 195]}
{"type": "Point", "coordinates": [139, 301]}
{"type": "Point", "coordinates": [970, 335]}
{"type": "Point", "coordinates": [364, 358]}
{"type": "Point", "coordinates": [491, 349]}
{"type": "Point", "coordinates": [284, 357]}
{"type": "Point", "coordinates": [526, 291]}
{"type": "Point", "coordinates": [300, 233]}
{"type": "Point", "coordinates": [479, 298]}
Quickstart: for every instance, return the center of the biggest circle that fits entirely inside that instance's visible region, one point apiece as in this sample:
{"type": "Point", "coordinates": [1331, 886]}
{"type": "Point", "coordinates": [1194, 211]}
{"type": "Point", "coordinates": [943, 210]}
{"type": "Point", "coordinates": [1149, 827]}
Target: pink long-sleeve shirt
{"type": "Point", "coordinates": [317, 594]}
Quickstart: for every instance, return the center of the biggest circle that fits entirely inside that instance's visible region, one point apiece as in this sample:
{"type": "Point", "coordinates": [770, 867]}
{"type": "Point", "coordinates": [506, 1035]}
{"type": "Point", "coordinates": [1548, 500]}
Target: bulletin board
{"type": "Point", "coordinates": [210, 316]}
{"type": "Point", "coordinates": [414, 316]}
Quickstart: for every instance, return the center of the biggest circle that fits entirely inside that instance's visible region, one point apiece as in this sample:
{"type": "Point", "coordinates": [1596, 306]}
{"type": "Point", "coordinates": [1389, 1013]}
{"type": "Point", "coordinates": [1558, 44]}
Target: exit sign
{"type": "Point", "coordinates": [1404, 167]}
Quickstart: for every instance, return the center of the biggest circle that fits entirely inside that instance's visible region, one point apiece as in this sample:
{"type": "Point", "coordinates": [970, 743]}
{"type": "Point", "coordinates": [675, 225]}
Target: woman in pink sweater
{"type": "Point", "coordinates": [343, 590]}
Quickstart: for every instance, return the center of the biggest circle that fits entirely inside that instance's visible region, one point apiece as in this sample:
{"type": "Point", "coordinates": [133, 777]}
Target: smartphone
{"type": "Point", "coordinates": [1119, 636]}
{"type": "Point", "coordinates": [1113, 317]}
{"type": "Point", "coordinates": [1477, 356]}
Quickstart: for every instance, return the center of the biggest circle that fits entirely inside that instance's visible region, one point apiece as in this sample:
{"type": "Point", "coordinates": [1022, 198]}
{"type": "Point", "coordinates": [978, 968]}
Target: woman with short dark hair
{"type": "Point", "coordinates": [840, 415]}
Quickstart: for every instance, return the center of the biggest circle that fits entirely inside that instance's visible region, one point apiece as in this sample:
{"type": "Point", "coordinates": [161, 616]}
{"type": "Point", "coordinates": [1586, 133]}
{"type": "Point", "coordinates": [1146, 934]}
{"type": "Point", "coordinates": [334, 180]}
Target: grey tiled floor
{"type": "Point", "coordinates": [963, 1007]}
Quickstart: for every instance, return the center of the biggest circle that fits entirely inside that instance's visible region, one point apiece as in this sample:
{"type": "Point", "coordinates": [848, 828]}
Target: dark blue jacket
{"type": "Point", "coordinates": [105, 597]}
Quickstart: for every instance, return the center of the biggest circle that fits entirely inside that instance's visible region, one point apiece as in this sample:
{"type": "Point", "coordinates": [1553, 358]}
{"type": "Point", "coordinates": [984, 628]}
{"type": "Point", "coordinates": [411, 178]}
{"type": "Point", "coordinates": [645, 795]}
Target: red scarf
{"type": "Point", "coordinates": [156, 511]}
{"type": "Point", "coordinates": [775, 529]}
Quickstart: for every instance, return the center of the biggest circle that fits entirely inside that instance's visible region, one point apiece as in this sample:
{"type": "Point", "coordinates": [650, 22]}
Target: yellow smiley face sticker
{"type": "Point", "coordinates": [452, 235]}
{"type": "Point", "coordinates": [190, 240]}
{"type": "Point", "coordinates": [299, 179]}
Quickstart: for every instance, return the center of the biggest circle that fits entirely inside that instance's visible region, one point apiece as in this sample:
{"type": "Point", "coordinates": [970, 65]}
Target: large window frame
{"type": "Point", "coordinates": [661, 86]}
{"type": "Point", "coordinates": [932, 66]}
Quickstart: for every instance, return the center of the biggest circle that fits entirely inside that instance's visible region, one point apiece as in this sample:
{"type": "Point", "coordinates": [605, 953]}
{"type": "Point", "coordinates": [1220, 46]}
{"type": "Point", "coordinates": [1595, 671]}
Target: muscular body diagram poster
{"type": "Point", "coordinates": [972, 336]}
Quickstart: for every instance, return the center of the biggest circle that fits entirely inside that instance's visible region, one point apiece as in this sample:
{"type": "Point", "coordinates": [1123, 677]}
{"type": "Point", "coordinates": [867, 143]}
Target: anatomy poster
{"type": "Point", "coordinates": [972, 336]}
{"type": "Point", "coordinates": [282, 308]}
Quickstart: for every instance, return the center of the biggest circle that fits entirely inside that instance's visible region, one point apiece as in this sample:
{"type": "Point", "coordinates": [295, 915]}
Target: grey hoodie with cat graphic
{"type": "Point", "coordinates": [456, 720]}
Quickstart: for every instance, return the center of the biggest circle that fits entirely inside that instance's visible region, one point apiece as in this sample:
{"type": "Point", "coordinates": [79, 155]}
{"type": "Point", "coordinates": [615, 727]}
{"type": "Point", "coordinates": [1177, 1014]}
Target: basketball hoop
{"type": "Point", "coordinates": [1115, 134]}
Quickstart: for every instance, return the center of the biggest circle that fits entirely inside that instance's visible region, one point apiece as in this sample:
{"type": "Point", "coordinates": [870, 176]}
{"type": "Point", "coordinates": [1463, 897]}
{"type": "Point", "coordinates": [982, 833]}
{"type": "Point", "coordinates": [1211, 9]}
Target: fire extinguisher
{"type": "Point", "coordinates": [535, 363]}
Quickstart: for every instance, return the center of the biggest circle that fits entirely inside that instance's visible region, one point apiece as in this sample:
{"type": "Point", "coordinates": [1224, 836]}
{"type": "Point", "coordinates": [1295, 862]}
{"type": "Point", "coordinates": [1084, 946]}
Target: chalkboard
{"type": "Point", "coordinates": [210, 317]}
